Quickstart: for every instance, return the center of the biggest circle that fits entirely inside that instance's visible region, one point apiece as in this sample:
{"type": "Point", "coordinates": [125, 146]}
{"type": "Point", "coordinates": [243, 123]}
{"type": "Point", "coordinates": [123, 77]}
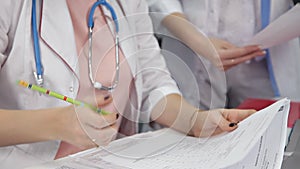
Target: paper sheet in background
{"type": "Point", "coordinates": [257, 143]}
{"type": "Point", "coordinates": [284, 28]}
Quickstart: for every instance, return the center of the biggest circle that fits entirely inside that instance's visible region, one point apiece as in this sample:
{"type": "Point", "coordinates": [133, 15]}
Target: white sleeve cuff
{"type": "Point", "coordinates": [154, 97]}
{"type": "Point", "coordinates": [159, 9]}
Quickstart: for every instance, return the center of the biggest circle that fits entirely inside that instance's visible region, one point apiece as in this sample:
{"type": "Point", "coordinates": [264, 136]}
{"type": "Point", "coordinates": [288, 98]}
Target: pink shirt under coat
{"type": "Point", "coordinates": [103, 62]}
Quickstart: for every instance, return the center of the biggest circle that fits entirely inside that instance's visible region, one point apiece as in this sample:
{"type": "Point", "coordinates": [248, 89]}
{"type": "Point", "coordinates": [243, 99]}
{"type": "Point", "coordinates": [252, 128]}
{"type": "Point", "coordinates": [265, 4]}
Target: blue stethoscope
{"type": "Point", "coordinates": [39, 67]}
{"type": "Point", "coordinates": [265, 19]}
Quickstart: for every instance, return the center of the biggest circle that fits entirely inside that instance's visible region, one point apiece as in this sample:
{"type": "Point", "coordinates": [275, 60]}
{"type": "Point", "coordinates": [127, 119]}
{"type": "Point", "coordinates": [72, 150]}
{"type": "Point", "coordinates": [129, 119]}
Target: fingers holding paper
{"type": "Point", "coordinates": [229, 119]}
{"type": "Point", "coordinates": [231, 55]}
{"type": "Point", "coordinates": [208, 123]}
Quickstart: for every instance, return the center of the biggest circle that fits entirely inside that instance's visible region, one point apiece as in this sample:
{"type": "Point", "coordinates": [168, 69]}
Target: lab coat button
{"type": "Point", "coordinates": [71, 89]}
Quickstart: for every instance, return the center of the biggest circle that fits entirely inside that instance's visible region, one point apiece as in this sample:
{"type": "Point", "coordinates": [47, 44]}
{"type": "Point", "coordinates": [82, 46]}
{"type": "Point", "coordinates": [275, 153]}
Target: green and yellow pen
{"type": "Point", "coordinates": [60, 96]}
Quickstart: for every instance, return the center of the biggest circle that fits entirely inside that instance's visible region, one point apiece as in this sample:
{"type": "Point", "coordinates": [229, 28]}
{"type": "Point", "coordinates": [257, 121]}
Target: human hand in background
{"type": "Point", "coordinates": [84, 128]}
{"type": "Point", "coordinates": [212, 122]}
{"type": "Point", "coordinates": [221, 53]}
{"type": "Point", "coordinates": [231, 55]}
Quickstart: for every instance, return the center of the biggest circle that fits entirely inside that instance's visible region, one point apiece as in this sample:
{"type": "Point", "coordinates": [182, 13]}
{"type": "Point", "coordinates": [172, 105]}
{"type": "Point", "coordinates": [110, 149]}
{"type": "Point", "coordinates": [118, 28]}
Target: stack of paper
{"type": "Point", "coordinates": [258, 142]}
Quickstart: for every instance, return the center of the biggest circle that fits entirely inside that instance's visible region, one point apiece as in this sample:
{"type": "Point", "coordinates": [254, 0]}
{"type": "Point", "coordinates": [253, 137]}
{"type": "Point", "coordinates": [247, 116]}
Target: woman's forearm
{"type": "Point", "coordinates": [26, 126]}
{"type": "Point", "coordinates": [186, 32]}
{"type": "Point", "coordinates": [173, 111]}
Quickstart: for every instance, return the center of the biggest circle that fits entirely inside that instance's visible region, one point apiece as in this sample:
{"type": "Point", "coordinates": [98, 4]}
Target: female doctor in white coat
{"type": "Point", "coordinates": [32, 125]}
{"type": "Point", "coordinates": [229, 24]}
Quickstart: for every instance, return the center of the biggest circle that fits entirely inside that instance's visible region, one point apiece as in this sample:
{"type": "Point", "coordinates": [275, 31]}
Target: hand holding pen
{"type": "Point", "coordinates": [81, 126]}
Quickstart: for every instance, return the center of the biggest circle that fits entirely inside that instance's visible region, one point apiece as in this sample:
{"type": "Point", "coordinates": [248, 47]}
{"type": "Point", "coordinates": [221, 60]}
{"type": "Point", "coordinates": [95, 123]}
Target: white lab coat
{"type": "Point", "coordinates": [285, 57]}
{"type": "Point", "coordinates": [59, 59]}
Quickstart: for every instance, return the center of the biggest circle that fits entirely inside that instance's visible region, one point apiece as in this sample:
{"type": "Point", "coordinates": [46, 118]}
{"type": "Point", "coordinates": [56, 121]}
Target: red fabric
{"type": "Point", "coordinates": [258, 104]}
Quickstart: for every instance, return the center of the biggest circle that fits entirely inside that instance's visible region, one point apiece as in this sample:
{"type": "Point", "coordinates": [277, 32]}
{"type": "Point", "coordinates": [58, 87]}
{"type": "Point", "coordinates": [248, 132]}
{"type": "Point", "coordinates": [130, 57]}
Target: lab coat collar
{"type": "Point", "coordinates": [57, 32]}
{"type": "Point", "coordinates": [108, 17]}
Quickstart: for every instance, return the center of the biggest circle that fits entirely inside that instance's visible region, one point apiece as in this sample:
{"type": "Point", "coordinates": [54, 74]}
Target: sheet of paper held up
{"type": "Point", "coordinates": [258, 142]}
{"type": "Point", "coordinates": [284, 28]}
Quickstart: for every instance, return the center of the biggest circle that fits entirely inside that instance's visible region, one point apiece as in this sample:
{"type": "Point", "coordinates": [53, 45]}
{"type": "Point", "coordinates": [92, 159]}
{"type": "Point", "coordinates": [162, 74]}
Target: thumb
{"type": "Point", "coordinates": [226, 125]}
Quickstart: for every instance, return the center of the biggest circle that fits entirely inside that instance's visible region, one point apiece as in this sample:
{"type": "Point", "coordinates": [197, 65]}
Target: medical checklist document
{"type": "Point", "coordinates": [257, 143]}
{"type": "Point", "coordinates": [282, 29]}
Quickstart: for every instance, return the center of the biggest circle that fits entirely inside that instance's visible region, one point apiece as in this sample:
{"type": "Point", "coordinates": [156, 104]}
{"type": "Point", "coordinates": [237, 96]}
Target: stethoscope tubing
{"type": "Point", "coordinates": [37, 53]}
{"type": "Point", "coordinates": [109, 7]}
{"type": "Point", "coordinates": [39, 67]}
{"type": "Point", "coordinates": [99, 85]}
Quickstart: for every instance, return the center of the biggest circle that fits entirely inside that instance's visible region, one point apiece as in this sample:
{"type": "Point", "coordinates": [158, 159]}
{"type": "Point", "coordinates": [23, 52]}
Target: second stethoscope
{"type": "Point", "coordinates": [39, 68]}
